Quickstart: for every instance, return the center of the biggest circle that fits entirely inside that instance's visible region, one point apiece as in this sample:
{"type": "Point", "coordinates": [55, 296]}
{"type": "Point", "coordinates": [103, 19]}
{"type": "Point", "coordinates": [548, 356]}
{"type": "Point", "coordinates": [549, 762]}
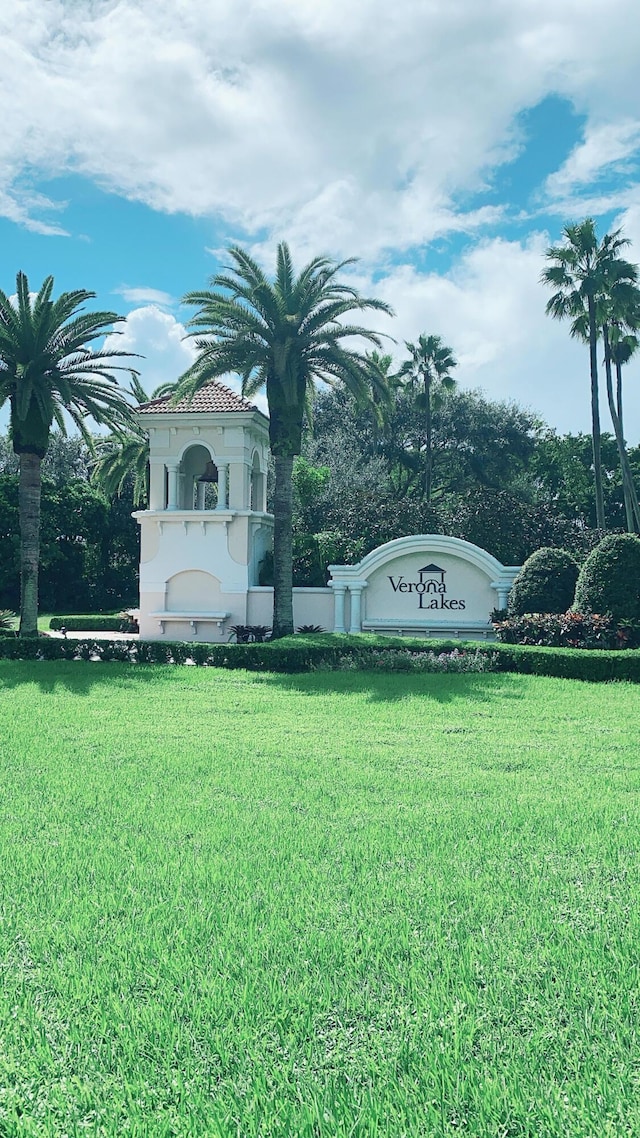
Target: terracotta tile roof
{"type": "Point", "coordinates": [213, 397]}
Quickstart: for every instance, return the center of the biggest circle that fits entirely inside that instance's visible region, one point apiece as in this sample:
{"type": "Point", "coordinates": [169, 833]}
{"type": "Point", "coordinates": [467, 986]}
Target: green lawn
{"type": "Point", "coordinates": [326, 905]}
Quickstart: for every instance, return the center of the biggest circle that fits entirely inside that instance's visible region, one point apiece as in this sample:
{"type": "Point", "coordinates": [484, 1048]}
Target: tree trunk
{"type": "Point", "coordinates": [283, 547]}
{"type": "Point", "coordinates": [595, 416]}
{"type": "Point", "coordinates": [428, 448]}
{"type": "Point", "coordinates": [29, 509]}
{"type": "Point", "coordinates": [632, 509]}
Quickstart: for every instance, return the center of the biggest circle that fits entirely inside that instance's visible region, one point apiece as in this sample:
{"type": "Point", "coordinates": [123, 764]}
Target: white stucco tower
{"type": "Point", "coordinates": [206, 530]}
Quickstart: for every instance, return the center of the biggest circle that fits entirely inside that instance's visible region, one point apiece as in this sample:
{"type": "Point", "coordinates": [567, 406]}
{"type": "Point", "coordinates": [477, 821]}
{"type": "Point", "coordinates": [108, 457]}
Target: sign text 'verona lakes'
{"type": "Point", "coordinates": [430, 589]}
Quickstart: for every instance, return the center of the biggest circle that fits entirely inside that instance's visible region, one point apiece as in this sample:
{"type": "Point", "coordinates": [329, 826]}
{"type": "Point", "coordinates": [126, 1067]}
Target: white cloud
{"type": "Point", "coordinates": [145, 296]}
{"type": "Point", "coordinates": [606, 149]}
{"type": "Point", "coordinates": [353, 127]}
{"type": "Point", "coordinates": [348, 128]}
{"type": "Point", "coordinates": [490, 310]}
{"type": "Point", "coordinates": [21, 208]}
{"type": "Point", "coordinates": [158, 338]}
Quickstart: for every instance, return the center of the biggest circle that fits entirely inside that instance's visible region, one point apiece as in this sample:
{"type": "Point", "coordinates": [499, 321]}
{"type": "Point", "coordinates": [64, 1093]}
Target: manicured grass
{"type": "Point", "coordinates": [331, 904]}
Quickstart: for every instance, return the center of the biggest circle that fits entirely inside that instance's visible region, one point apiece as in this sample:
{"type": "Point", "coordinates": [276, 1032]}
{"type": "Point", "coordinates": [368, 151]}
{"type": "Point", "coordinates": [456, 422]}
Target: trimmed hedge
{"type": "Point", "coordinates": [546, 583]}
{"type": "Point", "coordinates": [91, 623]}
{"type": "Point", "coordinates": [609, 580]}
{"type": "Point", "coordinates": [299, 654]}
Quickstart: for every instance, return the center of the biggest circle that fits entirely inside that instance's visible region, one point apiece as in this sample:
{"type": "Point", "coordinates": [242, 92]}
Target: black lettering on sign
{"type": "Point", "coordinates": [425, 591]}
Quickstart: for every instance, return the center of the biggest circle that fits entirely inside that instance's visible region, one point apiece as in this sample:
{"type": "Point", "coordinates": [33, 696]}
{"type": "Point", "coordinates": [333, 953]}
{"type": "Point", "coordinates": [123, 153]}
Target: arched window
{"type": "Point", "coordinates": [199, 478]}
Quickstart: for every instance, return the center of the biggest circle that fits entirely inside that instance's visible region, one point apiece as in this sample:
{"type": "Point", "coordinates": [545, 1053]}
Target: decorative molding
{"type": "Point", "coordinates": [436, 543]}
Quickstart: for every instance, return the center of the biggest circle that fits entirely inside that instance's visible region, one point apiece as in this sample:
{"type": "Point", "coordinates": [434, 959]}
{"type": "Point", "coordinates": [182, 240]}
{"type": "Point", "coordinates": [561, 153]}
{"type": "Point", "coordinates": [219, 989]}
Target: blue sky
{"type": "Point", "coordinates": [444, 144]}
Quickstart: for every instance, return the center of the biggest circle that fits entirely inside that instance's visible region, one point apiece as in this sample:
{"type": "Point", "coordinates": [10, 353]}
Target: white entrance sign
{"type": "Point", "coordinates": [426, 583]}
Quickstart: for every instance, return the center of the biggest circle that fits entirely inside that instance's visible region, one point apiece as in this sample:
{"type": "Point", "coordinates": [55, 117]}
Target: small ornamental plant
{"type": "Point", "coordinates": [404, 660]}
{"type": "Point", "coordinates": [569, 630]}
{"type": "Point", "coordinates": [7, 620]}
{"type": "Point", "coordinates": [250, 633]}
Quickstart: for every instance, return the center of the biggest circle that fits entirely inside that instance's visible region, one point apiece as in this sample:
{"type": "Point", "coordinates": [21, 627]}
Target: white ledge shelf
{"type": "Point", "coordinates": [193, 618]}
{"type": "Point", "coordinates": [438, 631]}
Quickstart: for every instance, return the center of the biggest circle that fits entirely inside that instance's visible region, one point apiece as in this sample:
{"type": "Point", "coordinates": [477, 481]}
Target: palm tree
{"type": "Point", "coordinates": [624, 345]}
{"type": "Point", "coordinates": [47, 372]}
{"type": "Point", "coordinates": [430, 366]}
{"type": "Point", "coordinates": [618, 305]}
{"type": "Point", "coordinates": [284, 335]}
{"type": "Point", "coordinates": [625, 322]}
{"type": "Point", "coordinates": [126, 452]}
{"type": "Point", "coordinates": [382, 385]}
{"type": "Point", "coordinates": [621, 318]}
{"type": "Point", "coordinates": [581, 273]}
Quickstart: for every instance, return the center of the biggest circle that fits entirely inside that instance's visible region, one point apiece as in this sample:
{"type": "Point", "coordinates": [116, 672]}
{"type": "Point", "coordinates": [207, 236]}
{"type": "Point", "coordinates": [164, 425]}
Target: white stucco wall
{"type": "Point", "coordinates": [199, 563]}
{"type": "Point", "coordinates": [310, 606]}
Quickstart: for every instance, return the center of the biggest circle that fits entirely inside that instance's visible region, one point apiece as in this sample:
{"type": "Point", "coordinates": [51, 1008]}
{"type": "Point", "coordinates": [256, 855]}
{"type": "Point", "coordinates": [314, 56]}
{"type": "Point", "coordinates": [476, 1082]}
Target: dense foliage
{"type": "Point", "coordinates": [568, 630]}
{"type": "Point", "coordinates": [500, 479]}
{"type": "Point", "coordinates": [545, 584]}
{"type": "Point", "coordinates": [609, 580]}
{"type": "Point", "coordinates": [89, 548]}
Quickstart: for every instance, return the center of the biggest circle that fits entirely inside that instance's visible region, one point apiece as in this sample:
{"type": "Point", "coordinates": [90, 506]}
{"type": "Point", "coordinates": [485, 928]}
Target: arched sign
{"type": "Point", "coordinates": [429, 583]}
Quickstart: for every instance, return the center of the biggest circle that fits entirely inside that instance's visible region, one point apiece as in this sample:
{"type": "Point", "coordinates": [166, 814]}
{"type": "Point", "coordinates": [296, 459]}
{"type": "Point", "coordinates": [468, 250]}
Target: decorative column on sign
{"type": "Point", "coordinates": [503, 596]}
{"type": "Point", "coordinates": [156, 485]}
{"type": "Point", "coordinates": [172, 497]}
{"type": "Point", "coordinates": [338, 607]}
{"type": "Point", "coordinates": [222, 484]}
{"type": "Point", "coordinates": [356, 605]}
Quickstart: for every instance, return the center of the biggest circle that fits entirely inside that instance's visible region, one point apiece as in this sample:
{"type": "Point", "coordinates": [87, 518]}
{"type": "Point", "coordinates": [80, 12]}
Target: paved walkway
{"type": "Point", "coordinates": [95, 635]}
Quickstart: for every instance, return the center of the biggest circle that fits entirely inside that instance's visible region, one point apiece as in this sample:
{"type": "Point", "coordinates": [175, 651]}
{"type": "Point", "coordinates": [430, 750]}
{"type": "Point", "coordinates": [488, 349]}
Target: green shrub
{"type": "Point", "coordinates": [546, 583]}
{"type": "Point", "coordinates": [96, 623]}
{"type": "Point", "coordinates": [609, 580]}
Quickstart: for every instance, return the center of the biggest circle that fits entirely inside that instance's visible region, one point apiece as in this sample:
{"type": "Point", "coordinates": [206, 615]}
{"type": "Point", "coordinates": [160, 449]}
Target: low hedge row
{"type": "Point", "coordinates": [91, 623]}
{"type": "Point", "coordinates": [304, 654]}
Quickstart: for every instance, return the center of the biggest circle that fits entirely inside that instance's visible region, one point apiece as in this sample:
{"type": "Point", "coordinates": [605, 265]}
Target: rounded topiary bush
{"type": "Point", "coordinates": [609, 580]}
{"type": "Point", "coordinates": [546, 583]}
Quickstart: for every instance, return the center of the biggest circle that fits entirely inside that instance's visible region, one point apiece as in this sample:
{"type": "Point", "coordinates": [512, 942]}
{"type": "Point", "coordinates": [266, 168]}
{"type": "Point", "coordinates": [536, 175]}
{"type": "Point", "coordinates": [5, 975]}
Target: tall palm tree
{"type": "Point", "coordinates": [382, 384]}
{"type": "Point", "coordinates": [283, 335]}
{"type": "Point", "coordinates": [126, 451]}
{"type": "Point", "coordinates": [49, 371]}
{"type": "Point", "coordinates": [625, 323]}
{"type": "Point", "coordinates": [617, 305]}
{"type": "Point", "coordinates": [621, 318]}
{"type": "Point", "coordinates": [429, 367]}
{"type": "Point", "coordinates": [624, 345]}
{"type": "Point", "coordinates": [580, 272]}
